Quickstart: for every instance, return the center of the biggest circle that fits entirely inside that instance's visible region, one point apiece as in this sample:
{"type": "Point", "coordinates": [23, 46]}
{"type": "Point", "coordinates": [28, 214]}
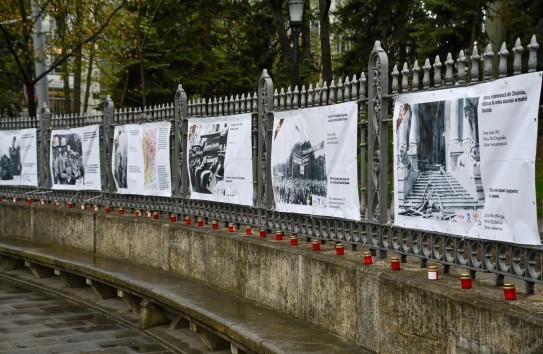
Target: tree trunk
{"type": "Point", "coordinates": [140, 55]}
{"type": "Point", "coordinates": [326, 53]}
{"type": "Point", "coordinates": [89, 80]}
{"type": "Point", "coordinates": [306, 62]}
{"type": "Point", "coordinates": [66, 79]}
{"type": "Point", "coordinates": [125, 89]}
{"type": "Point", "coordinates": [77, 66]}
{"type": "Point", "coordinates": [287, 54]}
{"type": "Point", "coordinates": [77, 82]}
{"type": "Point", "coordinates": [205, 20]}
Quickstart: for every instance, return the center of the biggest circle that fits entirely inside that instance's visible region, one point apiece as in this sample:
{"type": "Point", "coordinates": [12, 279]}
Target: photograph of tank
{"type": "Point", "coordinates": [300, 178]}
{"type": "Point", "coordinates": [437, 159]}
{"type": "Point", "coordinates": [67, 159]}
{"type": "Point", "coordinates": [207, 150]}
{"type": "Point", "coordinates": [10, 160]}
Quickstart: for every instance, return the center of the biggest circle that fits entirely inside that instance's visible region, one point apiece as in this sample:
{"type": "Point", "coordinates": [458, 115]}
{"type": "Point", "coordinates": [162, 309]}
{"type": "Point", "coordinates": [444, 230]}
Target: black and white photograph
{"type": "Point", "coordinates": [120, 158]}
{"type": "Point", "coordinates": [438, 160]}
{"type": "Point", "coordinates": [10, 161]}
{"type": "Point", "coordinates": [67, 159]}
{"type": "Point", "coordinates": [18, 157]}
{"type": "Point", "coordinates": [464, 159]}
{"type": "Point", "coordinates": [313, 161]}
{"type": "Point", "coordinates": [207, 150]}
{"type": "Point", "coordinates": [74, 159]}
{"type": "Point", "coordinates": [220, 159]}
{"type": "Point", "coordinates": [300, 178]}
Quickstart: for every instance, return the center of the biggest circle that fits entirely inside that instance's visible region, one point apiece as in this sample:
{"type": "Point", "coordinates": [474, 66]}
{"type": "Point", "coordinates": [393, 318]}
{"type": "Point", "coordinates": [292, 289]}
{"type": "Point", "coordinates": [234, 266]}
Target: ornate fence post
{"type": "Point", "coordinates": [107, 145]}
{"type": "Point", "coordinates": [265, 127]}
{"type": "Point", "coordinates": [44, 148]}
{"type": "Point", "coordinates": [378, 101]}
{"type": "Point", "coordinates": [180, 176]}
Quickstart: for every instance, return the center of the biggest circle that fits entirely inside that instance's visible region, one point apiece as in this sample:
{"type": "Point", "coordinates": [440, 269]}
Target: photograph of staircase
{"type": "Point", "coordinates": [438, 163]}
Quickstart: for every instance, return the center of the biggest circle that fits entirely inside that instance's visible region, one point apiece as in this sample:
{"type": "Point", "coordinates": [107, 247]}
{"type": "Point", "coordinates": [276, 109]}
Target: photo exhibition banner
{"type": "Point", "coordinates": [313, 160]}
{"type": "Point", "coordinates": [464, 160]}
{"type": "Point", "coordinates": [18, 158]}
{"type": "Point", "coordinates": [141, 159]}
{"type": "Point", "coordinates": [220, 159]}
{"type": "Point", "coordinates": [75, 158]}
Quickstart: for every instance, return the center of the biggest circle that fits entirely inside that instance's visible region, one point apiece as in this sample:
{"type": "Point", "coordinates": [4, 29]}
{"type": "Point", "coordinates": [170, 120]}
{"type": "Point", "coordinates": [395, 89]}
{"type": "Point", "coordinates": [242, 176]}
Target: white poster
{"type": "Point", "coordinates": [18, 158]}
{"type": "Point", "coordinates": [220, 159]}
{"type": "Point", "coordinates": [464, 160]}
{"type": "Point", "coordinates": [141, 159]}
{"type": "Point", "coordinates": [313, 161]}
{"type": "Point", "coordinates": [75, 158]}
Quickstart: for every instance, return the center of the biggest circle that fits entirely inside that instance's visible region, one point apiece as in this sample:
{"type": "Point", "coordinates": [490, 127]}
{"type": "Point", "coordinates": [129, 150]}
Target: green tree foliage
{"type": "Point", "coordinates": [410, 29]}
{"type": "Point", "coordinates": [213, 48]}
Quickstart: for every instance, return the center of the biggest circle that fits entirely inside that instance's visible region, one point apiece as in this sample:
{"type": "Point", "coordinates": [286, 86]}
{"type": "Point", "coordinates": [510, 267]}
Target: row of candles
{"type": "Point", "coordinates": [509, 291]}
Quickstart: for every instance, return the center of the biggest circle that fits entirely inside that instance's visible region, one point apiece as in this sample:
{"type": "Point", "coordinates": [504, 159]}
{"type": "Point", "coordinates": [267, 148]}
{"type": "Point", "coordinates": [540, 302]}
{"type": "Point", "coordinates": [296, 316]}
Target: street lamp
{"type": "Point", "coordinates": [296, 12]}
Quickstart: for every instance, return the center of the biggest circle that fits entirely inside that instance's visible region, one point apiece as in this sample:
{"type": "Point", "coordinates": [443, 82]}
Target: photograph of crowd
{"type": "Point", "coordinates": [300, 178]}
{"type": "Point", "coordinates": [207, 150]}
{"type": "Point", "coordinates": [120, 159]}
{"type": "Point", "coordinates": [67, 161]}
{"type": "Point", "coordinates": [10, 161]}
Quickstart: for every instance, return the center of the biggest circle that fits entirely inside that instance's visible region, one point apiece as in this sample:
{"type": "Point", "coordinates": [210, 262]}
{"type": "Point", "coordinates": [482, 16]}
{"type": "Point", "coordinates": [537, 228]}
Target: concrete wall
{"type": "Point", "coordinates": [390, 312]}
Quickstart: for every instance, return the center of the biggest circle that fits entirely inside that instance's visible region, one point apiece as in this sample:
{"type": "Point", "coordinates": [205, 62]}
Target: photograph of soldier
{"type": "Point", "coordinates": [300, 178]}
{"type": "Point", "coordinates": [67, 159]}
{"type": "Point", "coordinates": [120, 159]}
{"type": "Point", "coordinates": [207, 150]}
{"type": "Point", "coordinates": [438, 160]}
{"type": "Point", "coordinates": [10, 163]}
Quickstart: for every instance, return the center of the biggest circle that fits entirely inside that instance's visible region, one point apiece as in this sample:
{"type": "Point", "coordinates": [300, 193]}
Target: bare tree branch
{"type": "Point", "coordinates": [68, 54]}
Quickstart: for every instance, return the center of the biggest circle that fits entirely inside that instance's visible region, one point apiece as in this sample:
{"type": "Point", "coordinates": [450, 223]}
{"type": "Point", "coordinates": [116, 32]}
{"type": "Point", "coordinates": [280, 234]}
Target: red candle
{"type": "Point", "coordinates": [395, 263]}
{"type": "Point", "coordinates": [248, 230]}
{"type": "Point", "coordinates": [70, 205]}
{"type": "Point", "coordinates": [173, 218]}
{"type": "Point", "coordinates": [107, 209]}
{"type": "Point", "coordinates": [509, 292]}
{"type": "Point", "coordinates": [368, 258]}
{"type": "Point", "coordinates": [215, 225]}
{"type": "Point", "coordinates": [340, 251]}
{"type": "Point", "coordinates": [138, 213]}
{"type": "Point", "coordinates": [294, 240]}
{"type": "Point", "coordinates": [121, 211]}
{"type": "Point", "coordinates": [262, 233]}
{"type": "Point", "coordinates": [231, 227]}
{"type": "Point", "coordinates": [200, 222]}
{"type": "Point", "coordinates": [465, 281]}
{"type": "Point", "coordinates": [29, 201]}
{"type": "Point", "coordinates": [187, 220]}
{"type": "Point", "coordinates": [279, 235]}
{"type": "Point", "coordinates": [155, 215]}
{"type": "Point", "coordinates": [316, 245]}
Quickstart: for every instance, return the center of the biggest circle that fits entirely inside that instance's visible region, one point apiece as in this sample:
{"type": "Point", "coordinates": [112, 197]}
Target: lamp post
{"type": "Point", "coordinates": [296, 12]}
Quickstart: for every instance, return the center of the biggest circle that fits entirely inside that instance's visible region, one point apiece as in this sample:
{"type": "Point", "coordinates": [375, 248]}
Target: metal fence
{"type": "Point", "coordinates": [375, 230]}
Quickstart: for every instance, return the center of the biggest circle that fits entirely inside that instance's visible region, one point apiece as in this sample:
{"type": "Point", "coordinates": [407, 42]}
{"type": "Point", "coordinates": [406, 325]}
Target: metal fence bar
{"type": "Point", "coordinates": [375, 229]}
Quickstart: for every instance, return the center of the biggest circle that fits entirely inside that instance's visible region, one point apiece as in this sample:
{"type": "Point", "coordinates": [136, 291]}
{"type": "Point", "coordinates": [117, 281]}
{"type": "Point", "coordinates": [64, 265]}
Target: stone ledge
{"type": "Point", "coordinates": [252, 325]}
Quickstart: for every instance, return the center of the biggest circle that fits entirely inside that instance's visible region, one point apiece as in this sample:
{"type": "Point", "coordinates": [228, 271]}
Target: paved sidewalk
{"type": "Point", "coordinates": [33, 322]}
